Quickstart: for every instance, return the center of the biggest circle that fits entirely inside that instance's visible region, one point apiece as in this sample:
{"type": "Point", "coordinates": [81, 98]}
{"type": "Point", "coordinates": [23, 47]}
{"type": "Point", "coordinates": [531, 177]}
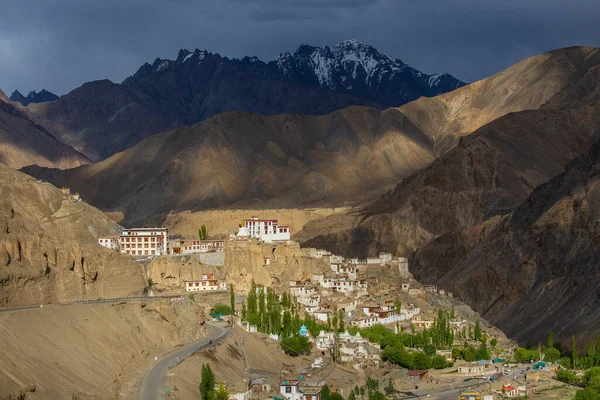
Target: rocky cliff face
{"type": "Point", "coordinates": [536, 270]}
{"type": "Point", "coordinates": [102, 118]}
{"type": "Point", "coordinates": [22, 142]}
{"type": "Point", "coordinates": [244, 262]}
{"type": "Point", "coordinates": [49, 251]}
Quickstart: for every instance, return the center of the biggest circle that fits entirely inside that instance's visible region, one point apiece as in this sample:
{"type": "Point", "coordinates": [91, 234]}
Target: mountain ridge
{"type": "Point", "coordinates": [33, 97]}
{"type": "Point", "coordinates": [102, 118]}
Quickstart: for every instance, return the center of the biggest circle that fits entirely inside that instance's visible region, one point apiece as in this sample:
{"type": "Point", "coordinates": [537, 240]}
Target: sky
{"type": "Point", "coordinates": [60, 44]}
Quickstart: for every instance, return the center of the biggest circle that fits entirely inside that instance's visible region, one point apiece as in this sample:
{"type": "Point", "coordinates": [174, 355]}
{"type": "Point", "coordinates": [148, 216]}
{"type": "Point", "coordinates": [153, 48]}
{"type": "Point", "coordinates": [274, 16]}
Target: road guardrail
{"type": "Point", "coordinates": [196, 349]}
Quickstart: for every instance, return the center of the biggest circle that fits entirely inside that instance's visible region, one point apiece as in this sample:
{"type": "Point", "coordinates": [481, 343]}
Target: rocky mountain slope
{"type": "Point", "coordinates": [49, 248]}
{"type": "Point", "coordinates": [237, 159]}
{"type": "Point", "coordinates": [489, 172]}
{"type": "Point", "coordinates": [101, 118]}
{"type": "Point", "coordinates": [534, 270]}
{"type": "Point", "coordinates": [33, 97]}
{"type": "Point", "coordinates": [22, 142]}
{"type": "Point", "coordinates": [246, 160]}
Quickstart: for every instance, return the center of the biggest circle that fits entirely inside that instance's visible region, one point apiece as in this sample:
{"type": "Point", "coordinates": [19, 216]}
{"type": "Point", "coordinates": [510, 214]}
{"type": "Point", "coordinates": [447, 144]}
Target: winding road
{"type": "Point", "coordinates": [153, 384]}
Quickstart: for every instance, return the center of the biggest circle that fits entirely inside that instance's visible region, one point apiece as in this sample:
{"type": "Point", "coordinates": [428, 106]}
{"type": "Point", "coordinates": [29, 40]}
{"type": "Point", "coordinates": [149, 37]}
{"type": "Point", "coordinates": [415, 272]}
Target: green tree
{"type": "Point", "coordinates": [341, 320]}
{"type": "Point", "coordinates": [202, 233]}
{"type": "Point", "coordinates": [422, 361]}
{"type": "Point", "coordinates": [325, 393]}
{"type": "Point", "coordinates": [494, 342]}
{"type": "Point", "coordinates": [372, 385]}
{"type": "Point", "coordinates": [335, 396]}
{"type": "Point", "coordinates": [565, 362]}
{"type": "Point", "coordinates": [221, 393]}
{"type": "Point", "coordinates": [232, 298]}
{"type": "Point", "coordinates": [377, 395]}
{"type": "Point", "coordinates": [296, 345]}
{"type": "Point", "coordinates": [587, 394]}
{"type": "Point", "coordinates": [550, 344]}
{"type": "Point", "coordinates": [552, 354]}
{"type": "Point", "coordinates": [207, 383]}
{"type": "Point", "coordinates": [483, 353]}
{"type": "Point", "coordinates": [223, 309]}
{"type": "Point", "coordinates": [592, 378]}
{"type": "Point", "coordinates": [438, 362]}
{"type": "Point", "coordinates": [574, 352]}
{"type": "Point", "coordinates": [352, 395]}
{"type": "Point", "coordinates": [477, 332]}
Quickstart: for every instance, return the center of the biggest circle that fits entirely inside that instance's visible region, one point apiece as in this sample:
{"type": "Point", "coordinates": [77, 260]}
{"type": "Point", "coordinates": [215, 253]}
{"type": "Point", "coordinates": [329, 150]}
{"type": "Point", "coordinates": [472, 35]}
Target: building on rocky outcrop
{"type": "Point", "coordinates": [202, 246]}
{"type": "Point", "coordinates": [111, 243]}
{"type": "Point", "coordinates": [144, 241]}
{"type": "Point", "coordinates": [267, 230]}
{"type": "Point", "coordinates": [206, 284]}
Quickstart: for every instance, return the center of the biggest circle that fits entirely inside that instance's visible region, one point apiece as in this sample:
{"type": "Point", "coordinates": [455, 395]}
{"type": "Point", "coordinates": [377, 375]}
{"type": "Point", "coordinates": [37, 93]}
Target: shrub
{"type": "Point", "coordinates": [566, 376]}
{"type": "Point", "coordinates": [438, 362]}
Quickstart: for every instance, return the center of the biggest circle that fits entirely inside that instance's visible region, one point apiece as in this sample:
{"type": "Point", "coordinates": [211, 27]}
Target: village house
{"type": "Point", "coordinates": [431, 288]}
{"type": "Point", "coordinates": [471, 368]}
{"type": "Point", "coordinates": [109, 243]}
{"type": "Point", "coordinates": [405, 287]}
{"type": "Point", "coordinates": [414, 292]}
{"type": "Point", "coordinates": [311, 301]}
{"type": "Point", "coordinates": [207, 283]}
{"type": "Point", "coordinates": [321, 315]}
{"type": "Point", "coordinates": [300, 290]}
{"type": "Point", "coordinates": [290, 390]}
{"type": "Point", "coordinates": [241, 391]}
{"type": "Point", "coordinates": [259, 385]}
{"type": "Point", "coordinates": [202, 246]}
{"type": "Point", "coordinates": [267, 230]}
{"type": "Point", "coordinates": [144, 241]}
{"type": "Point", "coordinates": [418, 374]}
{"type": "Point", "coordinates": [510, 391]}
{"type": "Point", "coordinates": [363, 321]}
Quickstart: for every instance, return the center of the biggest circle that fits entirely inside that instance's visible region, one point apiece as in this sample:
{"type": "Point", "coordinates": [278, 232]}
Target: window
{"type": "Point", "coordinates": [288, 389]}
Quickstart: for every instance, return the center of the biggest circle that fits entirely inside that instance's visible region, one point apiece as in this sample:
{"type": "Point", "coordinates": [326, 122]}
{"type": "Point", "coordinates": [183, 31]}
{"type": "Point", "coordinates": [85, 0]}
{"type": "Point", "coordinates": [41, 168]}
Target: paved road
{"type": "Point", "coordinates": [18, 308]}
{"type": "Point", "coordinates": [153, 384]}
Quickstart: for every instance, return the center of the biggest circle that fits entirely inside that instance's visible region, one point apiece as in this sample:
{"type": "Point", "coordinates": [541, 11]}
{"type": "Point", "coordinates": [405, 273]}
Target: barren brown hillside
{"type": "Point", "coordinates": [241, 160]}
{"type": "Point", "coordinates": [49, 248]}
{"type": "Point", "coordinates": [24, 143]}
{"type": "Point", "coordinates": [89, 352]}
{"type": "Point", "coordinates": [247, 160]}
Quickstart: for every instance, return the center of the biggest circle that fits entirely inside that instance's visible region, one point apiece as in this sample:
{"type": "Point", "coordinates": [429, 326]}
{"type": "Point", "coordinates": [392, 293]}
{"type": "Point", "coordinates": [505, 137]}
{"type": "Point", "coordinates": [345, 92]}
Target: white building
{"type": "Point", "coordinates": [268, 230]}
{"type": "Point", "coordinates": [471, 368]}
{"type": "Point", "coordinates": [144, 241]}
{"type": "Point", "coordinates": [325, 340]}
{"type": "Point", "coordinates": [206, 284]}
{"type": "Point", "coordinates": [202, 246]}
{"type": "Point", "coordinates": [310, 301]}
{"type": "Point", "coordinates": [303, 291]}
{"type": "Point", "coordinates": [321, 315]}
{"type": "Point", "coordinates": [109, 243]}
{"type": "Point", "coordinates": [290, 390]}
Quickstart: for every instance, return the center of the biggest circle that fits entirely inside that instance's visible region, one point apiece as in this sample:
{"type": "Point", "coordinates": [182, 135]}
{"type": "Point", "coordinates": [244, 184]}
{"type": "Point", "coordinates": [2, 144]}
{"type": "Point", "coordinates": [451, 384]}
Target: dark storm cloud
{"type": "Point", "coordinates": [60, 44]}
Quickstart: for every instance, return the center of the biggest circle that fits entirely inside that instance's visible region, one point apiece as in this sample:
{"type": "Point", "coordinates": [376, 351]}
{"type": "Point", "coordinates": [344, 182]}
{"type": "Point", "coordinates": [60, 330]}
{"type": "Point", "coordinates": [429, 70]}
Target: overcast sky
{"type": "Point", "coordinates": [60, 44]}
